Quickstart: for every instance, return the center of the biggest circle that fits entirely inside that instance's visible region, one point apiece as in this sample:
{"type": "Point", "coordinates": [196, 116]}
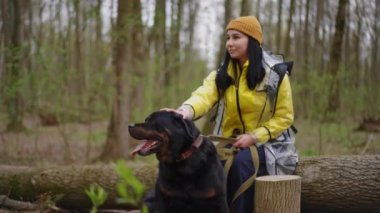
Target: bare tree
{"type": "Point", "coordinates": [317, 38]}
{"type": "Point", "coordinates": [258, 9]}
{"type": "Point", "coordinates": [335, 54]}
{"type": "Point", "coordinates": [174, 59]}
{"type": "Point", "coordinates": [13, 17]}
{"type": "Point", "coordinates": [117, 135]}
{"type": "Point", "coordinates": [375, 38]}
{"type": "Point", "coordinates": [306, 40]}
{"type": "Point", "coordinates": [158, 37]}
{"type": "Point", "coordinates": [222, 38]}
{"type": "Point", "coordinates": [136, 65]}
{"type": "Point", "coordinates": [279, 26]}
{"type": "Point", "coordinates": [246, 8]}
{"type": "Point", "coordinates": [357, 39]}
{"type": "Point", "coordinates": [288, 41]}
{"type": "Point", "coordinates": [79, 79]}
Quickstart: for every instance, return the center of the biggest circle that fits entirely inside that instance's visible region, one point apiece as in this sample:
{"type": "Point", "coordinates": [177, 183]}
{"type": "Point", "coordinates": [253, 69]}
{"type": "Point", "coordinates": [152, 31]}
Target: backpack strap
{"type": "Point", "coordinates": [276, 75]}
{"type": "Point", "coordinates": [280, 70]}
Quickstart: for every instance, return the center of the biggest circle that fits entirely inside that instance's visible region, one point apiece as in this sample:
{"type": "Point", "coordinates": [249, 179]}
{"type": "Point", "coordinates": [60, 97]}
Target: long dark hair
{"type": "Point", "coordinates": [255, 72]}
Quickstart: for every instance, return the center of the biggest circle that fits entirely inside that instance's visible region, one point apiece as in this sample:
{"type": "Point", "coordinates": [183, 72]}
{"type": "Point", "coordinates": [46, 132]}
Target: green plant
{"type": "Point", "coordinates": [129, 188]}
{"type": "Point", "coordinates": [97, 196]}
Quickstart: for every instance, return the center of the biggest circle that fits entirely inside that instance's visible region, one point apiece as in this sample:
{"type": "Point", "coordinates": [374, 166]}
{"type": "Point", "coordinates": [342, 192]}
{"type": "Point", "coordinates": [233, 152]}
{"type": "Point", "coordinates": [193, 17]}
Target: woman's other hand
{"type": "Point", "coordinates": [245, 140]}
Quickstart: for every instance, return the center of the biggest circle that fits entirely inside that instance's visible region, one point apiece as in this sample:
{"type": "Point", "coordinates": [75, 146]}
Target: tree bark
{"type": "Point", "coordinates": [68, 183]}
{"type": "Point", "coordinates": [117, 136]}
{"type": "Point", "coordinates": [375, 74]}
{"type": "Point", "coordinates": [158, 36]}
{"type": "Point", "coordinates": [246, 8]}
{"type": "Point", "coordinates": [79, 79]}
{"type": "Point", "coordinates": [329, 183]}
{"type": "Point", "coordinates": [306, 38]}
{"type": "Point", "coordinates": [222, 37]}
{"type": "Point", "coordinates": [279, 27]}
{"type": "Point", "coordinates": [288, 40]}
{"type": "Point", "coordinates": [278, 193]}
{"type": "Point", "coordinates": [13, 21]}
{"type": "Point", "coordinates": [335, 56]}
{"type": "Point", "coordinates": [317, 38]}
{"type": "Point", "coordinates": [137, 63]}
{"type": "Point", "coordinates": [341, 183]}
{"type": "Point", "coordinates": [357, 44]}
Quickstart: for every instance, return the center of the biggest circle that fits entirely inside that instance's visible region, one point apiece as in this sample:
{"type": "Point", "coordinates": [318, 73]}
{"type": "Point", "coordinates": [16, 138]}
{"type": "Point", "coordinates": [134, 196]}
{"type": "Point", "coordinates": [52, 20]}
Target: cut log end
{"type": "Point", "coordinates": [278, 193]}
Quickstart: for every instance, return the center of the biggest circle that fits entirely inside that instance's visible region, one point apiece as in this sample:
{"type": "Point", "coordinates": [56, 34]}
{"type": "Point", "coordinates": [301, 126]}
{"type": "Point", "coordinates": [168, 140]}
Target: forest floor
{"type": "Point", "coordinates": [79, 143]}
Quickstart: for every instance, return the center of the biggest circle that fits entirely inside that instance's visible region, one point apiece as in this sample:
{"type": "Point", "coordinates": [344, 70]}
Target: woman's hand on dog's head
{"type": "Point", "coordinates": [184, 113]}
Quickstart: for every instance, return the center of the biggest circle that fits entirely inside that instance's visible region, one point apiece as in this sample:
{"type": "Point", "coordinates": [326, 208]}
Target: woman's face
{"type": "Point", "coordinates": [236, 45]}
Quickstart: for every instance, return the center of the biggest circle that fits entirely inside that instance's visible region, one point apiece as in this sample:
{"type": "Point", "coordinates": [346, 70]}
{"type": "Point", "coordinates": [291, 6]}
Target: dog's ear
{"type": "Point", "coordinates": [191, 130]}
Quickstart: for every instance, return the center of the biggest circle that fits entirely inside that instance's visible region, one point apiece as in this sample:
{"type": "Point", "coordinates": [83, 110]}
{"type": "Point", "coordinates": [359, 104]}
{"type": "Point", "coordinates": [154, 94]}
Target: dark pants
{"type": "Point", "coordinates": [242, 168]}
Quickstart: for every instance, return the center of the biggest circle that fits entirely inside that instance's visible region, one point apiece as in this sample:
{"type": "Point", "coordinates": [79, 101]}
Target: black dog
{"type": "Point", "coordinates": [190, 175]}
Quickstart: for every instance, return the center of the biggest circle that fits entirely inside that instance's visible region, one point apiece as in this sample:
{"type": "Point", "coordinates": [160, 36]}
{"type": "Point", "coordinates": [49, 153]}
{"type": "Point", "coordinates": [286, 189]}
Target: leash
{"type": "Point", "coordinates": [228, 154]}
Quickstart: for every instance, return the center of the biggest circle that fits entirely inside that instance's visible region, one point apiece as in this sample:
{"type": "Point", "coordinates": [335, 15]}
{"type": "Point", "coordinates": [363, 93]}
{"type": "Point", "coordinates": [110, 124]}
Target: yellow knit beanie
{"type": "Point", "coordinates": [248, 25]}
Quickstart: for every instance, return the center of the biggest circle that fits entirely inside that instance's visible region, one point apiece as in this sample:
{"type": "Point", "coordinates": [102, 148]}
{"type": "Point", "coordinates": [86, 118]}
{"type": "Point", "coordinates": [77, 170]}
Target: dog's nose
{"type": "Point", "coordinates": [130, 126]}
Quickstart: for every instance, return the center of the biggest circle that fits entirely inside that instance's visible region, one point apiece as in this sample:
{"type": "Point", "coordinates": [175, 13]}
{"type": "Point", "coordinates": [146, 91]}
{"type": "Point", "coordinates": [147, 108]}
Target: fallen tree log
{"type": "Point", "coordinates": [340, 183]}
{"type": "Point", "coordinates": [329, 183]}
{"type": "Point", "coordinates": [66, 184]}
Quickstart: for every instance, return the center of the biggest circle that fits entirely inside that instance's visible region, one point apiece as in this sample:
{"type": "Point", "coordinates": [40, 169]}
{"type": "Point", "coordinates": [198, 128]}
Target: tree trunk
{"type": "Point", "coordinates": [298, 31]}
{"type": "Point", "coordinates": [79, 79]}
{"type": "Point", "coordinates": [358, 37]}
{"type": "Point", "coordinates": [246, 8]}
{"type": "Point", "coordinates": [158, 35]}
{"type": "Point", "coordinates": [287, 44]}
{"type": "Point", "coordinates": [174, 56]}
{"type": "Point", "coordinates": [117, 135]}
{"type": "Point", "coordinates": [279, 27]}
{"type": "Point", "coordinates": [13, 41]}
{"type": "Point", "coordinates": [258, 9]}
{"type": "Point", "coordinates": [306, 39]}
{"type": "Point", "coordinates": [335, 56]}
{"type": "Point", "coordinates": [136, 64]}
{"type": "Point", "coordinates": [222, 38]}
{"type": "Point", "coordinates": [329, 183]}
{"type": "Point", "coordinates": [375, 74]}
{"type": "Point", "coordinates": [317, 38]}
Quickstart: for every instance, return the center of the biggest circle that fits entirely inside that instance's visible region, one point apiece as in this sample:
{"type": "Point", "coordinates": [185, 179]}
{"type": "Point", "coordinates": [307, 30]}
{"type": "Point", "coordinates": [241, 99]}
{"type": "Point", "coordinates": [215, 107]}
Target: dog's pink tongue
{"type": "Point", "coordinates": [143, 147]}
{"type": "Point", "coordinates": [137, 149]}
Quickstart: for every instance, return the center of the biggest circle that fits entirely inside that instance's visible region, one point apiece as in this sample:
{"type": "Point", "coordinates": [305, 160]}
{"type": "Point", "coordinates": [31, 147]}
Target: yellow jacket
{"type": "Point", "coordinates": [255, 108]}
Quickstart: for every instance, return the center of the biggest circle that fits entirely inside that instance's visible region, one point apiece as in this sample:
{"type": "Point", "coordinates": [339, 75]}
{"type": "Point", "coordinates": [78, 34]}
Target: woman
{"type": "Point", "coordinates": [240, 88]}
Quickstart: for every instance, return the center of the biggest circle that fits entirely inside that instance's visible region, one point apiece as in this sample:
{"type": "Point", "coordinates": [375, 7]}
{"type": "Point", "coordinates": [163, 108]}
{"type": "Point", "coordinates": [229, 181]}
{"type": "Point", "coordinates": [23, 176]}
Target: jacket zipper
{"type": "Point", "coordinates": [237, 100]}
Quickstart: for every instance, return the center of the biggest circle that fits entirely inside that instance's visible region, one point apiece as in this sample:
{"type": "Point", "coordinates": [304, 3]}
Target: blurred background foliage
{"type": "Point", "coordinates": [103, 64]}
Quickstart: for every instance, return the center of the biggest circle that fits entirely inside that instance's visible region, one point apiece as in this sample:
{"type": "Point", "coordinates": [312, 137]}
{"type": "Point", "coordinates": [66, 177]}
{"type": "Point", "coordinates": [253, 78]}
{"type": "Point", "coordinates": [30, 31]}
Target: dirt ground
{"type": "Point", "coordinates": [80, 143]}
{"type": "Point", "coordinates": [53, 145]}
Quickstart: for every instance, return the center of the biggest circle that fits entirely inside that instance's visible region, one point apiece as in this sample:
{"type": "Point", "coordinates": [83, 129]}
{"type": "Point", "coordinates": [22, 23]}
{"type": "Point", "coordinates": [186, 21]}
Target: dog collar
{"type": "Point", "coordinates": [194, 147]}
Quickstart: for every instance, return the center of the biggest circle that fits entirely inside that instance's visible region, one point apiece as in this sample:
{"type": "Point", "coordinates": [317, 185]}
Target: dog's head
{"type": "Point", "coordinates": [165, 133]}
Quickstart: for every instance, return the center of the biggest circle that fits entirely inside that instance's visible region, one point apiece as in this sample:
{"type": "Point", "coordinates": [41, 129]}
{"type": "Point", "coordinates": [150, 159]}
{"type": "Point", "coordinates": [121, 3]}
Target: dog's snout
{"type": "Point", "coordinates": [131, 126]}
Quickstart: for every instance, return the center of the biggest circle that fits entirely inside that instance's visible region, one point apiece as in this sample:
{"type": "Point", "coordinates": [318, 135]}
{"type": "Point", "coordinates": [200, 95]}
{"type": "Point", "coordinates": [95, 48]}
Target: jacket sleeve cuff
{"type": "Point", "coordinates": [189, 109]}
{"type": "Point", "coordinates": [262, 134]}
